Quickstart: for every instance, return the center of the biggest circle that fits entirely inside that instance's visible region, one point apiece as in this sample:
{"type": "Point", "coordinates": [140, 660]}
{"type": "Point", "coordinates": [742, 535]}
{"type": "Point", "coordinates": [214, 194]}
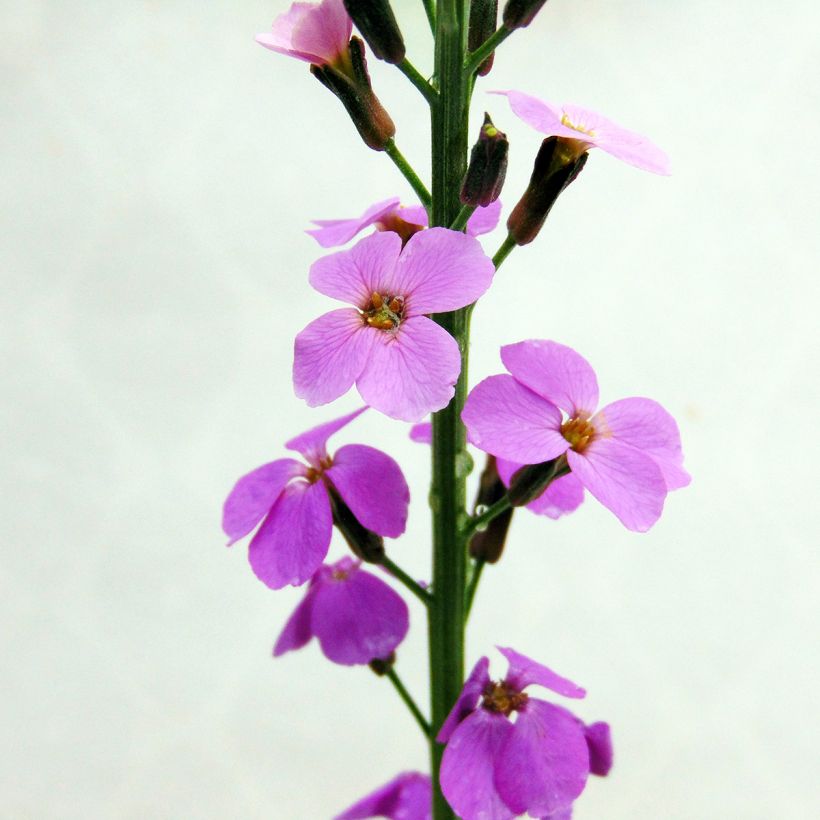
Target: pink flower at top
{"type": "Point", "coordinates": [589, 130]}
{"type": "Point", "coordinates": [407, 797]}
{"type": "Point", "coordinates": [402, 362]}
{"type": "Point", "coordinates": [404, 220]}
{"type": "Point", "coordinates": [317, 33]}
{"type": "Point", "coordinates": [628, 454]}
{"type": "Point", "coordinates": [292, 502]}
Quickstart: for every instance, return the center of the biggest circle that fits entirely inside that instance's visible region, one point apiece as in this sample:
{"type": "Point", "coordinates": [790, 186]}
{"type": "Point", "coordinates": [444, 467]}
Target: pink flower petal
{"type": "Point", "coordinates": [624, 480]}
{"type": "Point", "coordinates": [543, 765]}
{"type": "Point", "coordinates": [422, 432]}
{"type": "Point", "coordinates": [293, 540]}
{"type": "Point", "coordinates": [540, 115]}
{"type": "Point", "coordinates": [407, 797]}
{"type": "Point", "coordinates": [467, 700]}
{"type": "Point", "coordinates": [414, 214]}
{"type": "Point", "coordinates": [525, 672]}
{"type": "Point", "coordinates": [441, 270]}
{"type": "Point", "coordinates": [468, 764]}
{"type": "Point", "coordinates": [563, 495]}
{"type": "Point", "coordinates": [355, 274]}
{"type": "Point", "coordinates": [323, 30]}
{"type": "Point", "coordinates": [506, 419]}
{"type": "Point", "coordinates": [555, 372]}
{"type": "Point", "coordinates": [410, 373]}
{"type": "Point", "coordinates": [254, 494]}
{"type": "Point", "coordinates": [599, 743]}
{"type": "Point", "coordinates": [313, 443]}
{"type": "Point", "coordinates": [646, 426]}
{"type": "Point", "coordinates": [297, 632]}
{"type": "Point", "coordinates": [373, 486]}
{"type": "Point", "coordinates": [334, 232]}
{"type": "Point", "coordinates": [484, 220]}
{"type": "Point", "coordinates": [329, 354]}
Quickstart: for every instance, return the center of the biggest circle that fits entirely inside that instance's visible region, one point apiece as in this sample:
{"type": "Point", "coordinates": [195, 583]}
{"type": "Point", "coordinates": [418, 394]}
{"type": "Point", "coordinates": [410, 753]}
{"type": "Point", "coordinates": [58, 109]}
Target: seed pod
{"type": "Point", "coordinates": [378, 26]}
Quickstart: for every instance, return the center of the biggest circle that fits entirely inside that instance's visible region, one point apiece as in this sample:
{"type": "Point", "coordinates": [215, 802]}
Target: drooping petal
{"type": "Point", "coordinates": [254, 494]}
{"type": "Point", "coordinates": [411, 373]}
{"type": "Point", "coordinates": [407, 797]}
{"type": "Point", "coordinates": [373, 486]}
{"type": "Point", "coordinates": [414, 214]}
{"type": "Point", "coordinates": [647, 426]}
{"type": "Point", "coordinates": [563, 495]}
{"type": "Point", "coordinates": [355, 274]}
{"type": "Point", "coordinates": [280, 37]}
{"type": "Point", "coordinates": [329, 354]}
{"type": "Point", "coordinates": [297, 631]}
{"type": "Point", "coordinates": [468, 764]}
{"type": "Point", "coordinates": [543, 765]}
{"type": "Point", "coordinates": [358, 618]}
{"type": "Point", "coordinates": [323, 30]}
{"type": "Point", "coordinates": [525, 671]}
{"type": "Point", "coordinates": [467, 700]}
{"type": "Point", "coordinates": [555, 372]}
{"type": "Point", "coordinates": [599, 743]}
{"type": "Point", "coordinates": [313, 443]}
{"type": "Point", "coordinates": [422, 432]}
{"type": "Point", "coordinates": [332, 233]}
{"type": "Point", "coordinates": [538, 114]}
{"type": "Point", "coordinates": [484, 220]}
{"type": "Point", "coordinates": [625, 480]}
{"type": "Point", "coordinates": [293, 540]}
{"type": "Point", "coordinates": [510, 421]}
{"type": "Point", "coordinates": [441, 270]}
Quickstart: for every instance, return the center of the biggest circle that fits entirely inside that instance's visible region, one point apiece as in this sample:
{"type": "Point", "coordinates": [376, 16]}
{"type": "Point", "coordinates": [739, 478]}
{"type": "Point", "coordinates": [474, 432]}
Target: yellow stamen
{"type": "Point", "coordinates": [578, 432]}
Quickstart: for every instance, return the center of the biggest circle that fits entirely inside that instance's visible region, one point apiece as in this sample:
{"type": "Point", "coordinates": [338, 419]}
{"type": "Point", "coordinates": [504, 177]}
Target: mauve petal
{"type": "Point", "coordinates": [293, 540]}
{"type": "Point", "coordinates": [623, 479]}
{"type": "Point", "coordinates": [525, 672]}
{"type": "Point", "coordinates": [312, 444]}
{"type": "Point", "coordinates": [280, 37]}
{"type": "Point", "coordinates": [540, 115]}
{"type": "Point", "coordinates": [543, 765]}
{"type": "Point", "coordinates": [422, 432]}
{"type": "Point", "coordinates": [467, 700]}
{"type": "Point", "coordinates": [555, 372]}
{"type": "Point", "coordinates": [561, 814]}
{"type": "Point", "coordinates": [506, 419]}
{"type": "Point", "coordinates": [411, 373]}
{"type": "Point", "coordinates": [484, 220]}
{"type": "Point", "coordinates": [329, 354]}
{"type": "Point", "coordinates": [441, 270]}
{"type": "Point", "coordinates": [254, 494]}
{"type": "Point", "coordinates": [323, 30]}
{"type": "Point", "coordinates": [358, 618]}
{"type": "Point", "coordinates": [331, 233]}
{"type": "Point", "coordinates": [647, 426]}
{"type": "Point", "coordinates": [407, 797]}
{"type": "Point", "coordinates": [468, 764]}
{"type": "Point", "coordinates": [297, 631]}
{"type": "Point", "coordinates": [414, 214]}
{"type": "Point", "coordinates": [563, 495]}
{"type": "Point", "coordinates": [599, 743]}
{"type": "Point", "coordinates": [373, 486]}
{"type": "Point", "coordinates": [355, 274]}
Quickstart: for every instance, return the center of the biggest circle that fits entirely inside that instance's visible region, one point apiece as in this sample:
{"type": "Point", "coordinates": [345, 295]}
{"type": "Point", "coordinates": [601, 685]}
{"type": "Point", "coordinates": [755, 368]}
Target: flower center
{"type": "Point", "coordinates": [578, 432]}
{"type": "Point", "coordinates": [383, 312]}
{"type": "Point", "coordinates": [503, 698]}
{"type": "Point", "coordinates": [393, 222]}
{"type": "Point", "coordinates": [315, 473]}
{"type": "Point", "coordinates": [565, 120]}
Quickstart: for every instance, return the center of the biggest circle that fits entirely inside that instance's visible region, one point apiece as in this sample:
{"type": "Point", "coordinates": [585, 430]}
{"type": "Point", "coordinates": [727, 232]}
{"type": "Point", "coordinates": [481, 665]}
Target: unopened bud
{"type": "Point", "coordinates": [520, 13]}
{"type": "Point", "coordinates": [530, 481]}
{"type": "Point", "coordinates": [483, 17]}
{"type": "Point", "coordinates": [488, 544]}
{"type": "Point", "coordinates": [381, 666]}
{"type": "Point", "coordinates": [556, 166]}
{"type": "Point", "coordinates": [488, 166]}
{"type": "Point", "coordinates": [366, 544]}
{"type": "Point", "coordinates": [378, 26]}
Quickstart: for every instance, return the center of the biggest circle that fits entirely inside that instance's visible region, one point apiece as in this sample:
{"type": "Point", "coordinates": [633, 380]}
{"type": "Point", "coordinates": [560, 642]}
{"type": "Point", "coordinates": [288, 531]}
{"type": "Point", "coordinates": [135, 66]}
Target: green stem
{"type": "Point", "coordinates": [503, 252]}
{"type": "Point", "coordinates": [409, 702]}
{"type": "Point", "coordinates": [478, 522]}
{"type": "Point", "coordinates": [417, 78]}
{"type": "Point", "coordinates": [460, 222]}
{"type": "Point", "coordinates": [478, 567]}
{"type": "Point", "coordinates": [402, 577]}
{"type": "Point", "coordinates": [477, 57]}
{"type": "Point", "coordinates": [409, 174]}
{"type": "Point", "coordinates": [430, 11]}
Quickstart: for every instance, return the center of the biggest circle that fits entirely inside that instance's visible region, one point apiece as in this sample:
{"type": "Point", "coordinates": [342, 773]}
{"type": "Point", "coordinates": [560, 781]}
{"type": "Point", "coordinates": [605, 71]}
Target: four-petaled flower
{"type": "Point", "coordinates": [495, 768]}
{"type": "Point", "coordinates": [293, 500]}
{"type": "Point", "coordinates": [582, 129]}
{"type": "Point", "coordinates": [628, 454]}
{"type": "Point", "coordinates": [407, 797]}
{"type": "Point", "coordinates": [402, 362]}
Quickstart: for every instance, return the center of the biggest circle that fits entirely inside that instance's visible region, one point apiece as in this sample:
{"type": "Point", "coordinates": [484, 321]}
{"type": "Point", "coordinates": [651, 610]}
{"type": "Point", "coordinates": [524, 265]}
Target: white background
{"type": "Point", "coordinates": [158, 169]}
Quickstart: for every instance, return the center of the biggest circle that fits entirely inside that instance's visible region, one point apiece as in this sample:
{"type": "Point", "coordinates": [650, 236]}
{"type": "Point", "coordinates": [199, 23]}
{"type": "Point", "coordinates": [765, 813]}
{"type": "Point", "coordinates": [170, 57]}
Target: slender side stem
{"type": "Point", "coordinates": [478, 568]}
{"type": "Point", "coordinates": [430, 11]}
{"type": "Point", "coordinates": [504, 251]}
{"type": "Point", "coordinates": [409, 174]}
{"type": "Point", "coordinates": [409, 702]}
{"type": "Point", "coordinates": [477, 57]}
{"type": "Point", "coordinates": [460, 222]}
{"type": "Point", "coordinates": [402, 577]}
{"type": "Point", "coordinates": [417, 78]}
{"type": "Point", "coordinates": [478, 522]}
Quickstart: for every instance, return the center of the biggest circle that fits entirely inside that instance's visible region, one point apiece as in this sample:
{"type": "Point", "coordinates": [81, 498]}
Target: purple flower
{"type": "Point", "coordinates": [628, 454]}
{"type": "Point", "coordinates": [495, 768]}
{"type": "Point", "coordinates": [355, 616]}
{"type": "Point", "coordinates": [402, 362]}
{"type": "Point", "coordinates": [317, 33]}
{"type": "Point", "coordinates": [293, 500]}
{"type": "Point", "coordinates": [586, 129]}
{"type": "Point", "coordinates": [407, 797]}
{"type": "Point", "coordinates": [404, 220]}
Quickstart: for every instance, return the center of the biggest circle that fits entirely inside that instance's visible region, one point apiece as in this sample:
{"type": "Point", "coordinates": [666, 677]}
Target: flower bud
{"type": "Point", "coordinates": [556, 166]}
{"type": "Point", "coordinates": [488, 166]}
{"type": "Point", "coordinates": [381, 666]}
{"type": "Point", "coordinates": [531, 480]}
{"type": "Point", "coordinates": [488, 544]}
{"type": "Point", "coordinates": [520, 13]}
{"type": "Point", "coordinates": [483, 17]}
{"type": "Point", "coordinates": [356, 94]}
{"type": "Point", "coordinates": [366, 544]}
{"type": "Point", "coordinates": [378, 26]}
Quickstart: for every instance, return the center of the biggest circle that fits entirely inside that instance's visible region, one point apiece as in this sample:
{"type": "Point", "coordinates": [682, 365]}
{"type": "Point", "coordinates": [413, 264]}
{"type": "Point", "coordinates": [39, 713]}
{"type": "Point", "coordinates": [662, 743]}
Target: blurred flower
{"type": "Point", "coordinates": [407, 797]}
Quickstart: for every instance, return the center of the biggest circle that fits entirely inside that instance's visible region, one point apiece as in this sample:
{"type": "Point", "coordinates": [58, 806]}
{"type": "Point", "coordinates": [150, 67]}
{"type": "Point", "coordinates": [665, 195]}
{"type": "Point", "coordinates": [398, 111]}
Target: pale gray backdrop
{"type": "Point", "coordinates": [158, 170]}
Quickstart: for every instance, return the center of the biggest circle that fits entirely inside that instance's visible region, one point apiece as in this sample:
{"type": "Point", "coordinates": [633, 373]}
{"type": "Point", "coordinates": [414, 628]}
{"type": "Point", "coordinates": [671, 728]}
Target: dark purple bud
{"type": "Point", "coordinates": [556, 166]}
{"type": "Point", "coordinates": [520, 13]}
{"type": "Point", "coordinates": [488, 166]}
{"type": "Point", "coordinates": [365, 544]}
{"type": "Point", "coordinates": [530, 481]}
{"type": "Point", "coordinates": [483, 17]}
{"type": "Point", "coordinates": [381, 666]}
{"type": "Point", "coordinates": [489, 544]}
{"type": "Point", "coordinates": [378, 26]}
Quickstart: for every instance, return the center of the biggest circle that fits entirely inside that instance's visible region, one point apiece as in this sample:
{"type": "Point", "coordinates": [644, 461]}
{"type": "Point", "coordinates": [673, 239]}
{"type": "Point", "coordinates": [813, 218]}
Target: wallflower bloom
{"type": "Point", "coordinates": [389, 215]}
{"type": "Point", "coordinates": [402, 362]}
{"type": "Point", "coordinates": [407, 797]}
{"type": "Point", "coordinates": [583, 129]}
{"type": "Point", "coordinates": [628, 454]}
{"type": "Point", "coordinates": [293, 500]}
{"type": "Point", "coordinates": [355, 616]}
{"type": "Point", "coordinates": [495, 768]}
